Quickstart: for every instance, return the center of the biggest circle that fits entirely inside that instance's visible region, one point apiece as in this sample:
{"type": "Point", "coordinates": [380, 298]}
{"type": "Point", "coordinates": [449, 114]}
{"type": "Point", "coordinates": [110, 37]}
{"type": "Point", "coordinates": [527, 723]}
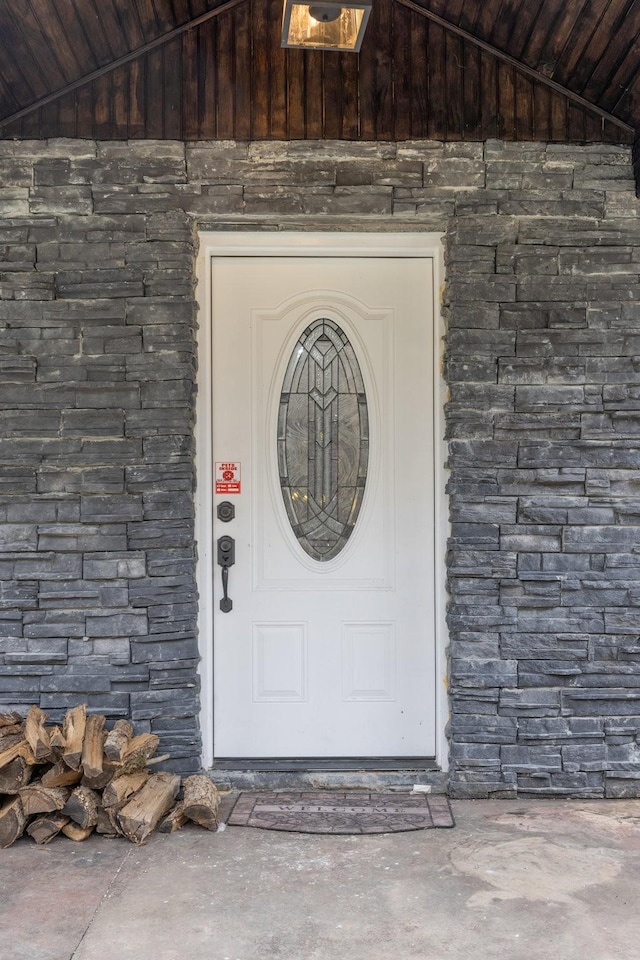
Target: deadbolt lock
{"type": "Point", "coordinates": [226, 511]}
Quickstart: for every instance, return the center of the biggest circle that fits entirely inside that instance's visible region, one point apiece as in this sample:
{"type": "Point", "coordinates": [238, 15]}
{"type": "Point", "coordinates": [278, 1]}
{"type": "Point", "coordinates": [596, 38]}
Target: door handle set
{"type": "Point", "coordinates": [226, 511]}
{"type": "Point", "coordinates": [226, 559]}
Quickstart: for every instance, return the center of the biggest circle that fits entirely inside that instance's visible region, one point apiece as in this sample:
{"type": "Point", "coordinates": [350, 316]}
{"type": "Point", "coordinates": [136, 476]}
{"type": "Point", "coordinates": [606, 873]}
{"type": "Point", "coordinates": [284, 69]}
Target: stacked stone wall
{"type": "Point", "coordinates": [97, 373]}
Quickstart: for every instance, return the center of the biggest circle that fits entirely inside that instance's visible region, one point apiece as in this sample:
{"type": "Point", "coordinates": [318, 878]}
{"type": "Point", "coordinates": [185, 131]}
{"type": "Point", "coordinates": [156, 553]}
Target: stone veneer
{"type": "Point", "coordinates": [97, 369]}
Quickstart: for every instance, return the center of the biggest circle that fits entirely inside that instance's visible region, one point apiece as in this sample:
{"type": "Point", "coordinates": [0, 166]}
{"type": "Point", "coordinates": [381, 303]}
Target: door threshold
{"type": "Point", "coordinates": [308, 764]}
{"type": "Point", "coordinates": [350, 773]}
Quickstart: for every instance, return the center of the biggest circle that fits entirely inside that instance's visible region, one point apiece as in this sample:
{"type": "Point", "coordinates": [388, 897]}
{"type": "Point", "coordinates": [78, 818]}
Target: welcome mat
{"type": "Point", "coordinates": [352, 811]}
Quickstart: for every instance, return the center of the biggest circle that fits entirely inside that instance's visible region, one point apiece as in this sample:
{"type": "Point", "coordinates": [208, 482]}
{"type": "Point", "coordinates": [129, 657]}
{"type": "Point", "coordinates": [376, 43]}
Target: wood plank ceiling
{"type": "Point", "coordinates": [443, 69]}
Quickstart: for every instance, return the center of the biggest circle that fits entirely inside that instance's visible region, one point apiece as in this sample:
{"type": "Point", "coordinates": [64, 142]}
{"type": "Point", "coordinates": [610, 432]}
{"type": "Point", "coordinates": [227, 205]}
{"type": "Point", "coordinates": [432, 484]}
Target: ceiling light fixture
{"type": "Point", "coordinates": [328, 25]}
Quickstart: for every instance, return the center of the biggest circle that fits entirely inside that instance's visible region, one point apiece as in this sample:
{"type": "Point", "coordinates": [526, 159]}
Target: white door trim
{"type": "Point", "coordinates": [426, 245]}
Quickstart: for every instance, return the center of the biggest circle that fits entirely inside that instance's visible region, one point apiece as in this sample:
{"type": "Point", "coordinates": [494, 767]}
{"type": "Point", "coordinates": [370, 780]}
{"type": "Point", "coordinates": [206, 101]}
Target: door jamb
{"type": "Point", "coordinates": [325, 243]}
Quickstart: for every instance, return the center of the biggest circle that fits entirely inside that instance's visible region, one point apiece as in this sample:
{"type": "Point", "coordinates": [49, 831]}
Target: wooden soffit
{"type": "Point", "coordinates": [562, 70]}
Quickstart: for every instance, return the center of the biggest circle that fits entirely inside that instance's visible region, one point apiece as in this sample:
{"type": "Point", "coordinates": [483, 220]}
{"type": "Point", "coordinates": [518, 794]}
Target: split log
{"type": "Point", "coordinates": [12, 729]}
{"type": "Point", "coordinates": [92, 746]}
{"type": "Point", "coordinates": [140, 749]}
{"type": "Point", "coordinates": [57, 739]}
{"type": "Point", "coordinates": [73, 728]}
{"type": "Point", "coordinates": [10, 740]}
{"type": "Point", "coordinates": [118, 740]}
{"type": "Point", "coordinates": [100, 781]}
{"type": "Point", "coordinates": [82, 807]}
{"type": "Point", "coordinates": [35, 733]}
{"type": "Point", "coordinates": [20, 749]}
{"type": "Point", "coordinates": [76, 832]}
{"type": "Point", "coordinates": [15, 775]}
{"type": "Point", "coordinates": [107, 823]}
{"type": "Point", "coordinates": [60, 775]}
{"type": "Point", "coordinates": [124, 787]}
{"type": "Point", "coordinates": [141, 814]}
{"type": "Point", "coordinates": [43, 829]}
{"type": "Point", "coordinates": [12, 822]}
{"type": "Point", "coordinates": [37, 798]}
{"type": "Point", "coordinates": [174, 820]}
{"type": "Point", "coordinates": [161, 759]}
{"type": "Point", "coordinates": [8, 719]}
{"type": "Point", "coordinates": [201, 801]}
{"type": "Point", "coordinates": [10, 753]}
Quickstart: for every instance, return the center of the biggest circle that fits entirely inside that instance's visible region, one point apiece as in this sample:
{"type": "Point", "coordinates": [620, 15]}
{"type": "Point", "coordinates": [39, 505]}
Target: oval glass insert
{"type": "Point", "coordinates": [323, 439]}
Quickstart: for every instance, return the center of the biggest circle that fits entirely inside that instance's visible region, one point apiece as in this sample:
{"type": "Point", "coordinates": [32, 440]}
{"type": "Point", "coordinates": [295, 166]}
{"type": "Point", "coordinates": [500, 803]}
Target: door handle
{"type": "Point", "coordinates": [226, 559]}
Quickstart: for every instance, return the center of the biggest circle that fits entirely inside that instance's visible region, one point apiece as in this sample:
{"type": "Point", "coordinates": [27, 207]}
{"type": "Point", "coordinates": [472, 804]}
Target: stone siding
{"type": "Point", "coordinates": [97, 370]}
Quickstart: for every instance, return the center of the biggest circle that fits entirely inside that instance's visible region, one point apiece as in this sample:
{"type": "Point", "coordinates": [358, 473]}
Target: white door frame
{"type": "Point", "coordinates": [300, 244]}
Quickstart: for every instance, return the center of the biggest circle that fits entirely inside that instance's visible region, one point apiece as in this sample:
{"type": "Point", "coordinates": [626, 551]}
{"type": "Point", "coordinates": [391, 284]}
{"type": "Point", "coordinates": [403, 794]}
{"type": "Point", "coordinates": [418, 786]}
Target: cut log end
{"type": "Point", "coordinates": [118, 740]}
{"type": "Point", "coordinates": [82, 807]}
{"type": "Point", "coordinates": [201, 801]}
{"type": "Point", "coordinates": [15, 775]}
{"type": "Point", "coordinates": [36, 798]}
{"type": "Point", "coordinates": [75, 832]}
{"type": "Point", "coordinates": [12, 822]}
{"type": "Point", "coordinates": [45, 828]}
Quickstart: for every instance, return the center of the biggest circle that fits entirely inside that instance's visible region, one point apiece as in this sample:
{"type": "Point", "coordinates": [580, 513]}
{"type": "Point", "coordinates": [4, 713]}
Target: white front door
{"type": "Point", "coordinates": [323, 442]}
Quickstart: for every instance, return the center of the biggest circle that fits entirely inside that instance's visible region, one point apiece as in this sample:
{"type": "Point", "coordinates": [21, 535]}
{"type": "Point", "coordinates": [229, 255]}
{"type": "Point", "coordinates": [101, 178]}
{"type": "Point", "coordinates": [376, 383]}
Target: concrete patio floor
{"type": "Point", "coordinates": [515, 880]}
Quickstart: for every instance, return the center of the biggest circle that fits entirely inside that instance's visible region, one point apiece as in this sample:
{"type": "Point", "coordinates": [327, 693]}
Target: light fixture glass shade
{"type": "Point", "coordinates": [325, 25]}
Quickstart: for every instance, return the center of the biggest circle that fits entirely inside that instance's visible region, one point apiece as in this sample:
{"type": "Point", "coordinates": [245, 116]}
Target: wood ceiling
{"type": "Point", "coordinates": [442, 69]}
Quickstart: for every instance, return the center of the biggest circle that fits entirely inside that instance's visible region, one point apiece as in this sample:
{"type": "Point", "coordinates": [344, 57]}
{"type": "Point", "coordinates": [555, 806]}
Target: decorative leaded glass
{"type": "Point", "coordinates": [323, 439]}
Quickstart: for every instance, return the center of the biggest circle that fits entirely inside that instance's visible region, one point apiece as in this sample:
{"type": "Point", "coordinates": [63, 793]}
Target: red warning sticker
{"type": "Point", "coordinates": [228, 477]}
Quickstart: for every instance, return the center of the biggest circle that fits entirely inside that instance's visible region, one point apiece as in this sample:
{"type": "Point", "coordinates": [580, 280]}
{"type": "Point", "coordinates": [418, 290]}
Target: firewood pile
{"type": "Point", "coordinates": [77, 778]}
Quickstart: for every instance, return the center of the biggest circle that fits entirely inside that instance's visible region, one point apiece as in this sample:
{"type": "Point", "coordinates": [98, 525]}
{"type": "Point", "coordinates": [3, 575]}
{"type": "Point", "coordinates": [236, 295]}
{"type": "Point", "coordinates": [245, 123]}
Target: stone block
{"type": "Point", "coordinates": [483, 645]}
{"type": "Point", "coordinates": [112, 704]}
{"type": "Point", "coordinates": [483, 673]}
{"type": "Point", "coordinates": [76, 684]}
{"type": "Point", "coordinates": [467, 729]}
{"type": "Point", "coordinates": [61, 626]}
{"type": "Point", "coordinates": [618, 788]}
{"type": "Point", "coordinates": [530, 592]}
{"type": "Point", "coordinates": [469, 314]}
{"type": "Point", "coordinates": [484, 231]}
{"type": "Point", "coordinates": [526, 758]}
{"type": "Point", "coordinates": [584, 785]}
{"type": "Point", "coordinates": [530, 542]}
{"type": "Point", "coordinates": [475, 755]}
{"type": "Point", "coordinates": [116, 650]}
{"type": "Point", "coordinates": [115, 508]}
{"type": "Point", "coordinates": [623, 758]}
{"type": "Point", "coordinates": [622, 622]}
{"type": "Point", "coordinates": [491, 289]}
{"type": "Point", "coordinates": [481, 563]}
{"type": "Point", "coordinates": [531, 702]}
{"type": "Point", "coordinates": [601, 703]}
{"type": "Point", "coordinates": [150, 651]}
{"type": "Point", "coordinates": [491, 786]}
{"type": "Point", "coordinates": [542, 729]}
{"type": "Point", "coordinates": [146, 705]}
{"type": "Point", "coordinates": [592, 539]}
{"type": "Point", "coordinates": [520, 646]}
{"type": "Point", "coordinates": [497, 453]}
{"type": "Point", "coordinates": [61, 200]}
{"type": "Point", "coordinates": [493, 510]}
{"type": "Point", "coordinates": [117, 624]}
{"type": "Point", "coordinates": [525, 203]}
{"type": "Point", "coordinates": [546, 397]}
